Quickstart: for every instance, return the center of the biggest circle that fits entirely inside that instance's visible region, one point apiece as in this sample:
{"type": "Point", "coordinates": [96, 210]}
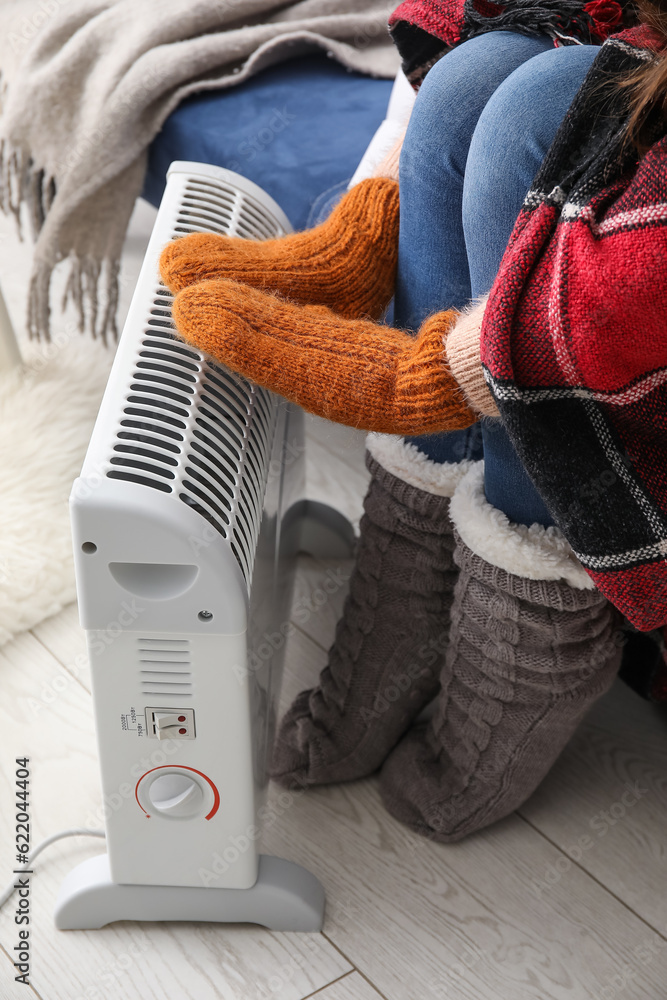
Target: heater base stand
{"type": "Point", "coordinates": [285, 897]}
{"type": "Point", "coordinates": [319, 529]}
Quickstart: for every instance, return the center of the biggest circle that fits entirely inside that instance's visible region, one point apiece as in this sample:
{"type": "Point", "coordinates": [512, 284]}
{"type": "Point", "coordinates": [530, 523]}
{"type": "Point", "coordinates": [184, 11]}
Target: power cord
{"type": "Point", "coordinates": [74, 832]}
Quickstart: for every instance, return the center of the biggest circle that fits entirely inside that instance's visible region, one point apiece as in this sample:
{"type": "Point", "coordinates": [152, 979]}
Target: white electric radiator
{"type": "Point", "coordinates": [186, 518]}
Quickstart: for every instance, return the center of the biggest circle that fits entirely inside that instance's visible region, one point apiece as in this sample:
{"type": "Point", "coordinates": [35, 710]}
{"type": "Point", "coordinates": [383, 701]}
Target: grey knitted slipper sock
{"type": "Point", "coordinates": [386, 658]}
{"type": "Point", "coordinates": [527, 659]}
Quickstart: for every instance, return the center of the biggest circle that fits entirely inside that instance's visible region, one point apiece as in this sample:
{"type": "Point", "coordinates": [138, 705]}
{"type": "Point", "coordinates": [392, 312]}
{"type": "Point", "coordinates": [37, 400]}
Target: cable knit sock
{"type": "Point", "coordinates": [527, 659]}
{"type": "Point", "coordinates": [352, 371]}
{"type": "Point", "coordinates": [385, 662]}
{"type": "Point", "coordinates": [348, 262]}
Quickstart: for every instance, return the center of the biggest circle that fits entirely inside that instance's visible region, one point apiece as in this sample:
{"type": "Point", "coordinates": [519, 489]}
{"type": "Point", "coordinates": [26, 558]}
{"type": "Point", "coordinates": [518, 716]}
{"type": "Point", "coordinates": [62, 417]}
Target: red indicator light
{"type": "Point", "coordinates": [182, 731]}
{"type": "Point", "coordinates": [181, 718]}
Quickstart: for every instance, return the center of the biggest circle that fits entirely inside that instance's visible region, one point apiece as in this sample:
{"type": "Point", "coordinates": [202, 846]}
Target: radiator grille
{"type": "Point", "coordinates": [165, 667]}
{"type": "Point", "coordinates": [212, 206]}
{"type": "Point", "coordinates": [188, 426]}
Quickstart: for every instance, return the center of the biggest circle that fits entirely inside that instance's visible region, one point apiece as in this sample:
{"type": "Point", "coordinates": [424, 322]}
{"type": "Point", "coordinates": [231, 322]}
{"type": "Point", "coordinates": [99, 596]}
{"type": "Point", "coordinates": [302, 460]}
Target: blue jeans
{"type": "Point", "coordinates": [482, 123]}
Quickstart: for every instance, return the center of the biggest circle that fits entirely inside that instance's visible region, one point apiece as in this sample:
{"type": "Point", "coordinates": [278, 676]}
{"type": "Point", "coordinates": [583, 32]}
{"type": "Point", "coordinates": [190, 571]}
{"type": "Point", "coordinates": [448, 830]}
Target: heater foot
{"type": "Point", "coordinates": [285, 897]}
{"type": "Point", "coordinates": [320, 530]}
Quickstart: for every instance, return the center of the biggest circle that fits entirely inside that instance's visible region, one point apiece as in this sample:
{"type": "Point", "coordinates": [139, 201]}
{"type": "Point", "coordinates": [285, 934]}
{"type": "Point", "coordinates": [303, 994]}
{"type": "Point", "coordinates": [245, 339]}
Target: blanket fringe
{"type": "Point", "coordinates": [561, 19]}
{"type": "Point", "coordinates": [89, 279]}
{"type": "Point", "coordinates": [16, 183]}
{"type": "Point", "coordinates": [83, 287]}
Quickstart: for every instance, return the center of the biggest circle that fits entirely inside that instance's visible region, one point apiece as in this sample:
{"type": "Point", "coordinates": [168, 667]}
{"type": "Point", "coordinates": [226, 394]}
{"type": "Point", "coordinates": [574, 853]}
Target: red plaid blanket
{"type": "Point", "coordinates": [574, 340]}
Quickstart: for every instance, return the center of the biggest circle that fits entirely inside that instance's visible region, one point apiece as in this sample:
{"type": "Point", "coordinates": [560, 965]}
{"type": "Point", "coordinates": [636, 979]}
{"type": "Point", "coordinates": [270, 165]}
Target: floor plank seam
{"type": "Point", "coordinates": [322, 989]}
{"type": "Point", "coordinates": [11, 962]}
{"type": "Point", "coordinates": [306, 635]}
{"type": "Point", "coordinates": [594, 878]}
{"type": "Point", "coordinates": [355, 968]}
{"type": "Point", "coordinates": [58, 660]}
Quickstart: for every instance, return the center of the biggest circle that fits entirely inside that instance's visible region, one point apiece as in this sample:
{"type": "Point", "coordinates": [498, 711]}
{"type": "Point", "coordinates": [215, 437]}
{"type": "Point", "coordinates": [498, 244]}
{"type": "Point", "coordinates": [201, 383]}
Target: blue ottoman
{"type": "Point", "coordinates": [298, 129]}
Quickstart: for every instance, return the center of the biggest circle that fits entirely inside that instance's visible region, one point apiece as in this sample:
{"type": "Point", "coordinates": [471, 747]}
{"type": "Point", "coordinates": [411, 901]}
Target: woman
{"type": "Point", "coordinates": [451, 546]}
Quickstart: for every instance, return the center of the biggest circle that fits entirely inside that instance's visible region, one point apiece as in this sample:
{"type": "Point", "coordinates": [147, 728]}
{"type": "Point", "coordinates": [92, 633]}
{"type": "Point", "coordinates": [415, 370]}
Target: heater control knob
{"type": "Point", "coordinates": [176, 795]}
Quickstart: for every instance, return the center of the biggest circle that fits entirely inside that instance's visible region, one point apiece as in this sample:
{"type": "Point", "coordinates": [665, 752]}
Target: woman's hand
{"type": "Point", "coordinates": [352, 371]}
{"type": "Point", "coordinates": [347, 263]}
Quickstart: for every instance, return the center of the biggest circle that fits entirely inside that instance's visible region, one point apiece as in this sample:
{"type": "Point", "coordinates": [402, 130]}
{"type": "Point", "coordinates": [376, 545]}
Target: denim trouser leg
{"type": "Point", "coordinates": [513, 134]}
{"type": "Point", "coordinates": [476, 138]}
{"type": "Point", "coordinates": [433, 271]}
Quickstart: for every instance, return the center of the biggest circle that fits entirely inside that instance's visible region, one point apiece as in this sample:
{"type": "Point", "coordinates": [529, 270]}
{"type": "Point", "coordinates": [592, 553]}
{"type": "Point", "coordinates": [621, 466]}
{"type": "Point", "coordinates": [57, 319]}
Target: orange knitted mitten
{"type": "Point", "coordinates": [354, 372]}
{"type": "Point", "coordinates": [347, 263]}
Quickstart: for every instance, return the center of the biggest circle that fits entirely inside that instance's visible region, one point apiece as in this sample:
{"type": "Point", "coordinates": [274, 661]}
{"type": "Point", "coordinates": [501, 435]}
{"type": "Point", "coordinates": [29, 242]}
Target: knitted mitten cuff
{"type": "Point", "coordinates": [426, 392]}
{"type": "Point", "coordinates": [463, 354]}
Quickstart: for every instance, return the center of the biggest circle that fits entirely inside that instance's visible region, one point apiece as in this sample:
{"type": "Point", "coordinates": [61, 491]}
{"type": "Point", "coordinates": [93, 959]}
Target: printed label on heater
{"type": "Point", "coordinates": [133, 722]}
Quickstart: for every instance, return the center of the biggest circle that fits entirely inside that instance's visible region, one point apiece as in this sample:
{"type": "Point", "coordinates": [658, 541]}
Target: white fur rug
{"type": "Point", "coordinates": [47, 411]}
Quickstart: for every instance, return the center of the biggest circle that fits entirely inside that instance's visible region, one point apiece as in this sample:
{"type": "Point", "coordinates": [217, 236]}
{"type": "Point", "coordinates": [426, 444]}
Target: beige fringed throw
{"type": "Point", "coordinates": [87, 85]}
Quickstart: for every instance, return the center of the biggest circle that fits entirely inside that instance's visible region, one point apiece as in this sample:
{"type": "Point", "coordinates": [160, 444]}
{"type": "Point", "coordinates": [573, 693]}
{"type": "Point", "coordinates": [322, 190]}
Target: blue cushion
{"type": "Point", "coordinates": [298, 129]}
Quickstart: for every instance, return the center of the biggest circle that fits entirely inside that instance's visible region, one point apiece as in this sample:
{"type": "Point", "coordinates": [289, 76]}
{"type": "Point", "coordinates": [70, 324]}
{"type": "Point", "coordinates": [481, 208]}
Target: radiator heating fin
{"type": "Point", "coordinates": [212, 206]}
{"type": "Point", "coordinates": [189, 426]}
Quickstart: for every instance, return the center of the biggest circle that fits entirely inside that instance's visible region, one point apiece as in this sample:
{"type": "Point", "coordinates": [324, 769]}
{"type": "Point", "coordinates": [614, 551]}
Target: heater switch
{"type": "Point", "coordinates": [170, 723]}
{"type": "Point", "coordinates": [162, 720]}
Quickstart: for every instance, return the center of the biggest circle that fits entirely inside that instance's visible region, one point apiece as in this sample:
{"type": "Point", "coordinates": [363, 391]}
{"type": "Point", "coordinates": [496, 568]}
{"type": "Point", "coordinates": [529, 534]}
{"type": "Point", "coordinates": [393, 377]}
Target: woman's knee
{"type": "Point", "coordinates": [512, 136]}
{"type": "Point", "coordinates": [518, 124]}
{"type": "Point", "coordinates": [455, 92]}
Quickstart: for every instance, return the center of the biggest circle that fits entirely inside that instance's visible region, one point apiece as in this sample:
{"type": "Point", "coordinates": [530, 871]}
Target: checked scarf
{"type": "Point", "coordinates": [424, 30]}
